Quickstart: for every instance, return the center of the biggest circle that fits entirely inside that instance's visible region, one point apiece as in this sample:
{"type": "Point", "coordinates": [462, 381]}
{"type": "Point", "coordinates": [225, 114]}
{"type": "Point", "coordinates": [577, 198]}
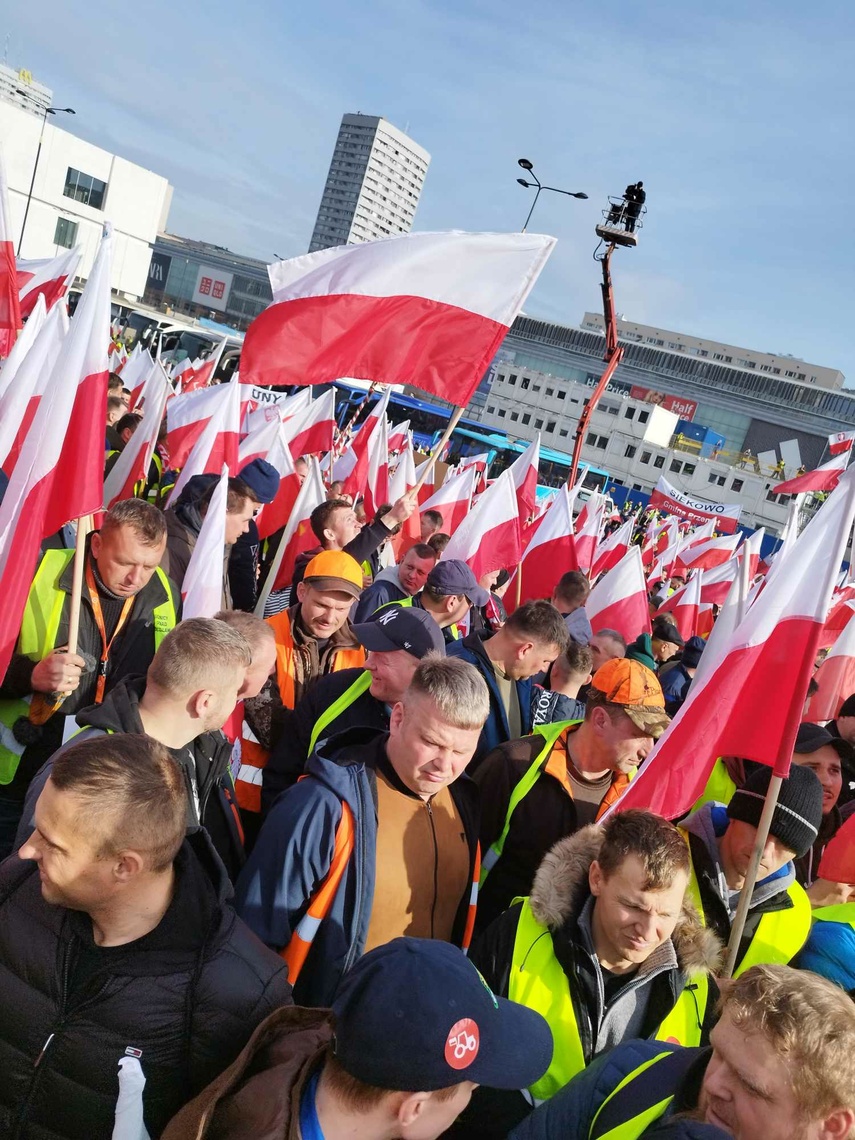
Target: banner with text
{"type": "Point", "coordinates": [669, 499]}
{"type": "Point", "coordinates": [684, 408]}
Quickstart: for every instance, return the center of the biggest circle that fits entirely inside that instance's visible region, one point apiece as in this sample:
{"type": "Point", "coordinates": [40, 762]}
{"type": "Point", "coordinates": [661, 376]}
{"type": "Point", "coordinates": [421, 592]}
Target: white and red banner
{"type": "Point", "coordinates": [684, 606]}
{"type": "Point", "coordinates": [453, 499]}
{"type": "Point", "coordinates": [548, 553]}
{"type": "Point", "coordinates": [217, 444]}
{"type": "Point", "coordinates": [131, 467]}
{"type": "Point", "coordinates": [310, 430]}
{"type": "Point", "coordinates": [524, 474]}
{"type": "Point", "coordinates": [824, 478]}
{"type": "Point", "coordinates": [619, 599]}
{"type": "Point", "coordinates": [835, 677]}
{"type": "Point", "coordinates": [674, 502]}
{"type": "Point", "coordinates": [840, 442]}
{"type": "Point", "coordinates": [427, 309]}
{"type": "Point", "coordinates": [612, 549]}
{"type": "Point", "coordinates": [48, 277]}
{"type": "Point", "coordinates": [25, 377]}
{"type": "Point", "coordinates": [707, 555]}
{"type": "Point", "coordinates": [202, 588]}
{"type": "Point", "coordinates": [489, 537]}
{"type": "Point", "coordinates": [298, 535]}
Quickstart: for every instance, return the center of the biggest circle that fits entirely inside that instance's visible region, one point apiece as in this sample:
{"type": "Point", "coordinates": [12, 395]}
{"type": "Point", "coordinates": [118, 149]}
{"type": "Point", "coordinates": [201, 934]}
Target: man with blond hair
{"type": "Point", "coordinates": [126, 981]}
{"type": "Point", "coordinates": [781, 1066]}
{"type": "Point", "coordinates": [378, 840]}
{"type": "Point", "coordinates": [189, 692]}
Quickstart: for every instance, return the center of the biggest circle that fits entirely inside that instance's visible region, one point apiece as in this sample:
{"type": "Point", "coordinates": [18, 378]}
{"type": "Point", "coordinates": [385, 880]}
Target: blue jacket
{"type": "Point", "coordinates": [496, 730]}
{"type": "Point", "coordinates": [675, 688]}
{"type": "Point", "coordinates": [830, 951]}
{"type": "Point", "coordinates": [294, 851]}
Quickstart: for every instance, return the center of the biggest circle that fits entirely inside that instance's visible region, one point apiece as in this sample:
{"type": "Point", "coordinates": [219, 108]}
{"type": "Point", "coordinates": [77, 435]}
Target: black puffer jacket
{"type": "Point", "coordinates": [185, 999]}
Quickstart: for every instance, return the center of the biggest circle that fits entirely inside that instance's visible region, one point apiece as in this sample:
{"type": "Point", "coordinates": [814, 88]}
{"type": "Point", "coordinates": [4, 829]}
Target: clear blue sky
{"type": "Point", "coordinates": [737, 116]}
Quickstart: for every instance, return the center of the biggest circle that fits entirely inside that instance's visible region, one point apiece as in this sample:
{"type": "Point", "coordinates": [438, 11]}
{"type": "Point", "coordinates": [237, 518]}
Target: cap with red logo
{"type": "Point", "coordinates": [415, 1015]}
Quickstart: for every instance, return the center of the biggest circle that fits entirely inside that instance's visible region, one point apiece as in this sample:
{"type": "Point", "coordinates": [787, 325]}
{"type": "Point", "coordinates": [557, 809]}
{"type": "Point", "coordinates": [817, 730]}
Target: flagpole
{"type": "Point", "coordinates": [267, 588]}
{"type": "Point", "coordinates": [437, 451]}
{"type": "Point", "coordinates": [747, 891]}
{"type": "Point", "coordinates": [84, 525]}
{"type": "Point", "coordinates": [744, 585]}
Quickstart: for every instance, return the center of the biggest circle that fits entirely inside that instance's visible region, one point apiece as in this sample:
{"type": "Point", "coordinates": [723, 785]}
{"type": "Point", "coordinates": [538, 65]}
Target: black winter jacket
{"type": "Point", "coordinates": [184, 1000]}
{"type": "Point", "coordinates": [204, 763]}
{"type": "Point", "coordinates": [288, 759]}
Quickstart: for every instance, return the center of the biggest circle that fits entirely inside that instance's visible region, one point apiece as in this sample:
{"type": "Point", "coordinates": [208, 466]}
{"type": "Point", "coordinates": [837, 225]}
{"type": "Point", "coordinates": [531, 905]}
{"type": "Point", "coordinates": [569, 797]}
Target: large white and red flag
{"type": "Point", "coordinates": [839, 616]}
{"type": "Point", "coordinates": [709, 554]}
{"type": "Point", "coordinates": [404, 477]}
{"type": "Point", "coordinates": [188, 415]}
{"type": "Point", "coordinates": [619, 599]}
{"type": "Point", "coordinates": [59, 473]}
{"type": "Point", "coordinates": [547, 555]}
{"type": "Point", "coordinates": [202, 588]}
{"type": "Point", "coordinates": [10, 302]}
{"type": "Point", "coordinates": [684, 606]}
{"type": "Point", "coordinates": [298, 535]}
{"type": "Point", "coordinates": [589, 525]}
{"type": "Point", "coordinates": [399, 434]}
{"type": "Point", "coordinates": [131, 466]}
{"type": "Point", "coordinates": [376, 488]}
{"type": "Point", "coordinates": [835, 677]}
{"type": "Point", "coordinates": [201, 372]}
{"type": "Point", "coordinates": [824, 478]}
{"type": "Point", "coordinates": [453, 499]}
{"type": "Point", "coordinates": [524, 474]}
{"type": "Point", "coordinates": [481, 463]}
{"type": "Point", "coordinates": [311, 429]}
{"type": "Point", "coordinates": [217, 444]}
{"type": "Point", "coordinates": [612, 549]}
{"type": "Point", "coordinates": [141, 364]}
{"type": "Point", "coordinates": [840, 442]}
{"type": "Point", "coordinates": [24, 377]}
{"type": "Point", "coordinates": [427, 309]}
{"type": "Point", "coordinates": [352, 467]}
{"type": "Point", "coordinates": [48, 277]}
{"type": "Point", "coordinates": [489, 537]}
{"type": "Point", "coordinates": [747, 698]}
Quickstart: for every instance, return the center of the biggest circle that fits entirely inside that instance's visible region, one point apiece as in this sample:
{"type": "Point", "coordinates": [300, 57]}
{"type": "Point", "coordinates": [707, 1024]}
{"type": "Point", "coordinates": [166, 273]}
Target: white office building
{"type": "Point", "coordinates": [77, 188]}
{"type": "Point", "coordinates": [373, 186]}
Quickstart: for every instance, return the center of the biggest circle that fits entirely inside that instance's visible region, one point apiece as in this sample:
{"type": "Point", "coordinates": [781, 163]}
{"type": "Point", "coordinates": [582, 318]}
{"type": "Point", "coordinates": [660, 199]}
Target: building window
{"type": "Point", "coordinates": [515, 416]}
{"type": "Point", "coordinates": [561, 394]}
{"type": "Point", "coordinates": [602, 442]}
{"type": "Point", "coordinates": [645, 456]}
{"type": "Point", "coordinates": [612, 410]}
{"type": "Point", "coordinates": [676, 466]}
{"type": "Point", "coordinates": [84, 188]}
{"type": "Point", "coordinates": [643, 417]}
{"type": "Point", "coordinates": [591, 439]}
{"type": "Point", "coordinates": [688, 468]}
{"type": "Point", "coordinates": [659, 461]}
{"type": "Point", "coordinates": [550, 426]}
{"type": "Point", "coordinates": [524, 383]}
{"type": "Point", "coordinates": [550, 391]}
{"type": "Point", "coordinates": [65, 233]}
{"type": "Point", "coordinates": [538, 424]}
{"type": "Point", "coordinates": [526, 419]}
{"type": "Point", "coordinates": [535, 387]}
{"type": "Point", "coordinates": [512, 379]}
{"type": "Point", "coordinates": [717, 480]}
{"type": "Point", "coordinates": [491, 408]}
{"type": "Point", "coordinates": [564, 432]}
{"type": "Point", "coordinates": [502, 413]}
{"type": "Point", "coordinates": [737, 484]}
{"type": "Point", "coordinates": [629, 414]}
{"type": "Point", "coordinates": [630, 451]}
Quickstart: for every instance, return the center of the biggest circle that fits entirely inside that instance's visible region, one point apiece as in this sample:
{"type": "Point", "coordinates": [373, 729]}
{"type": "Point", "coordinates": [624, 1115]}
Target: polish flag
{"type": "Point", "coordinates": [24, 378]}
{"type": "Point", "coordinates": [549, 551]}
{"type": "Point", "coordinates": [428, 487]}
{"type": "Point", "coordinates": [480, 463]}
{"type": "Point", "coordinates": [612, 549]}
{"type": "Point", "coordinates": [376, 490]}
{"type": "Point", "coordinates": [699, 534]}
{"type": "Point", "coordinates": [683, 606]}
{"type": "Point", "coordinates": [118, 359]}
{"type": "Point", "coordinates": [202, 372]}
{"type": "Point", "coordinates": [59, 473]}
{"type": "Point", "coordinates": [310, 430]}
{"type": "Point", "coordinates": [839, 616]}
{"type": "Point", "coordinates": [133, 462]}
{"type": "Point", "coordinates": [707, 555]}
{"type": "Point", "coordinates": [275, 514]}
{"type": "Point", "coordinates": [426, 309]}
{"type": "Point", "coordinates": [524, 473]}
{"type": "Point", "coordinates": [748, 698]}
{"type": "Point", "coordinates": [751, 550]}
{"type": "Point", "coordinates": [298, 535]}
{"type": "Point", "coordinates": [619, 599]}
{"type": "Point", "coordinates": [655, 539]}
{"type": "Point", "coordinates": [489, 537]}
{"type": "Point", "coordinates": [398, 436]}
{"type": "Point", "coordinates": [188, 415]}
{"type": "Point", "coordinates": [10, 302]}
{"type": "Point", "coordinates": [824, 478]}
{"type": "Point", "coordinates": [177, 370]}
{"type": "Point", "coordinates": [588, 532]}
{"type": "Point", "coordinates": [257, 412]}
{"type": "Point", "coordinates": [835, 677]}
{"type": "Point", "coordinates": [840, 442]}
{"type": "Point", "coordinates": [218, 442]}
{"type": "Point", "coordinates": [356, 458]}
{"type": "Point", "coordinates": [48, 277]}
{"type": "Point", "coordinates": [138, 369]}
{"type": "Point", "coordinates": [453, 499]}
{"type": "Point", "coordinates": [404, 477]}
{"type": "Point", "coordinates": [202, 588]}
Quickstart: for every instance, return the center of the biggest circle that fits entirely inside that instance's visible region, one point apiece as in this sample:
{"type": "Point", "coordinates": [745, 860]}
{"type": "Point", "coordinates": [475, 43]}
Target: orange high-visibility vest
{"type": "Point", "coordinates": [348, 658]}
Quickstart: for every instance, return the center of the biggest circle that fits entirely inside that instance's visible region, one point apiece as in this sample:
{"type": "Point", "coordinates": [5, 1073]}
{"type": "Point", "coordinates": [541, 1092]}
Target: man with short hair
{"type": "Point", "coordinates": [606, 644]}
{"type": "Point", "coordinates": [543, 787]}
{"type": "Point", "coordinates": [449, 591]}
{"type": "Point", "coordinates": [412, 1031]}
{"type": "Point", "coordinates": [608, 946]}
{"type": "Point", "coordinates": [398, 582]}
{"type": "Point", "coordinates": [559, 697]}
{"type": "Point", "coordinates": [127, 983]}
{"type": "Point", "coordinates": [183, 702]}
{"type": "Point", "coordinates": [379, 839]}
{"type": "Point", "coordinates": [313, 637]}
{"type": "Point", "coordinates": [569, 597]}
{"type": "Point", "coordinates": [396, 643]}
{"type": "Point", "coordinates": [781, 1067]}
{"type": "Point", "coordinates": [431, 523]}
{"type": "Point", "coordinates": [527, 644]}
{"type": "Point", "coordinates": [128, 606]}
{"type": "Point", "coordinates": [721, 841]}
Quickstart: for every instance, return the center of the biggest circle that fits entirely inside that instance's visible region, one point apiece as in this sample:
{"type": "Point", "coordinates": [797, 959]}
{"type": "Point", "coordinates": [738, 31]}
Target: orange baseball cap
{"type": "Point", "coordinates": [335, 570]}
{"type": "Point", "coordinates": [622, 681]}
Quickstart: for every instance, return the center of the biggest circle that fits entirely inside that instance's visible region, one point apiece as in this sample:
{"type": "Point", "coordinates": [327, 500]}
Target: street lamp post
{"type": "Point", "coordinates": [527, 166]}
{"type": "Point", "coordinates": [48, 111]}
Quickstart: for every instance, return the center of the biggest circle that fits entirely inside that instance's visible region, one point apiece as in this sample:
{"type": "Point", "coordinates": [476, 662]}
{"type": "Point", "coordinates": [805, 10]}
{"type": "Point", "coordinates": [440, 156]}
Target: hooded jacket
{"type": "Point", "coordinates": [294, 850]}
{"type": "Point", "coordinates": [204, 764]}
{"type": "Point", "coordinates": [496, 729]}
{"type": "Point", "coordinates": [642, 650]}
{"type": "Point", "coordinates": [179, 1003]}
{"type": "Point", "coordinates": [703, 828]}
{"type": "Point", "coordinates": [259, 1093]}
{"type": "Point", "coordinates": [561, 900]}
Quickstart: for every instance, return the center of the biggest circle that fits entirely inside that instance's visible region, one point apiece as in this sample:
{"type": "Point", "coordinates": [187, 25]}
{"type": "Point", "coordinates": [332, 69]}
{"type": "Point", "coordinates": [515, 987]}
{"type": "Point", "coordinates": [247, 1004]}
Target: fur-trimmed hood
{"type": "Point", "coordinates": [560, 890]}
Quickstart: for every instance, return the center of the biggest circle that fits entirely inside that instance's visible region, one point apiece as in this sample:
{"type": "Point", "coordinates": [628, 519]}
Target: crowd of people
{"type": "Point", "coordinates": [350, 870]}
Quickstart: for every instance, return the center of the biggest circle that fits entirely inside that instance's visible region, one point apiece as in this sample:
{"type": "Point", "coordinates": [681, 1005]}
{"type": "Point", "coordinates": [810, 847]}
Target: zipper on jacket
{"type": "Point", "coordinates": [435, 867]}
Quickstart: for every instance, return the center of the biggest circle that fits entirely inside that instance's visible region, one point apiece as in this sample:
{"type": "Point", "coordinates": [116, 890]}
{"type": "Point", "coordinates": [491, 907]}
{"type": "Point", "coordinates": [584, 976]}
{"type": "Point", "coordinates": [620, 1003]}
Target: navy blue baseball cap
{"type": "Point", "coordinates": [401, 627]}
{"type": "Point", "coordinates": [415, 1016]}
{"type": "Point", "coordinates": [451, 576]}
{"type": "Point", "coordinates": [262, 478]}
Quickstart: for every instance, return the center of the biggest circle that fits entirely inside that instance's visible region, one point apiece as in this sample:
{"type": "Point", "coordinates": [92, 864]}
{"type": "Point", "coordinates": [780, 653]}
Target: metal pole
{"type": "Point", "coordinates": [531, 211]}
{"type": "Point", "coordinates": [32, 181]}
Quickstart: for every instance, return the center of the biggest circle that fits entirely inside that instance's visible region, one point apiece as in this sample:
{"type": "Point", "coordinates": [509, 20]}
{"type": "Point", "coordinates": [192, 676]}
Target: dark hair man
{"type": "Point", "coordinates": [438, 542]}
{"type": "Point", "coordinates": [527, 644]}
{"type": "Point", "coordinates": [431, 523]}
{"type": "Point", "coordinates": [607, 947]}
{"type": "Point", "coordinates": [412, 1031]}
{"type": "Point", "coordinates": [449, 591]}
{"type": "Point", "coordinates": [559, 697]}
{"type": "Point", "coordinates": [569, 597]}
{"type": "Point", "coordinates": [354, 697]}
{"type": "Point", "coordinates": [398, 582]}
{"type": "Point", "coordinates": [128, 606]}
{"type": "Point", "coordinates": [781, 1067]}
{"type": "Point", "coordinates": [721, 842]}
{"type": "Point", "coordinates": [124, 973]}
{"type": "Point", "coordinates": [379, 839]}
{"type": "Point", "coordinates": [262, 478]}
{"type": "Point", "coordinates": [606, 644]}
{"type": "Point", "coordinates": [543, 787]}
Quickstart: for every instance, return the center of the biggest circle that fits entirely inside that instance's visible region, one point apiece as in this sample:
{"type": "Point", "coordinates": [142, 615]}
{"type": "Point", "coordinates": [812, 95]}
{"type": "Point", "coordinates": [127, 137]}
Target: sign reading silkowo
{"type": "Point", "coordinates": [673, 502]}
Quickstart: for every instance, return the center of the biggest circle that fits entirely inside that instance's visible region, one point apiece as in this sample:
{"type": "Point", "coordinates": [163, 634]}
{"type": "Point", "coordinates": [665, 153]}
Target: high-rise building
{"type": "Point", "coordinates": [19, 88]}
{"type": "Point", "coordinates": [373, 186]}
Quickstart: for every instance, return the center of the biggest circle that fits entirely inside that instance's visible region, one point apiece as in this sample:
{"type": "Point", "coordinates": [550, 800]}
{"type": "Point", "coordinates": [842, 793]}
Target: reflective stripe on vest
{"type": "Point", "coordinates": [780, 934]}
{"type": "Point", "coordinates": [252, 759]}
{"type": "Point", "coordinates": [473, 902]}
{"type": "Point", "coordinates": [719, 787]}
{"type": "Point", "coordinates": [537, 980]}
{"type": "Point", "coordinates": [297, 950]}
{"type": "Point", "coordinates": [332, 712]}
{"type": "Point", "coordinates": [629, 1110]}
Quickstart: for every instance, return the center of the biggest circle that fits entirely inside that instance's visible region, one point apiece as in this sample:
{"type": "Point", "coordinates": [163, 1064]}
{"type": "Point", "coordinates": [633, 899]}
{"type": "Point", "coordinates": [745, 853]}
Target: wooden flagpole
{"type": "Point", "coordinates": [437, 451]}
{"type": "Point", "coordinates": [84, 526]}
